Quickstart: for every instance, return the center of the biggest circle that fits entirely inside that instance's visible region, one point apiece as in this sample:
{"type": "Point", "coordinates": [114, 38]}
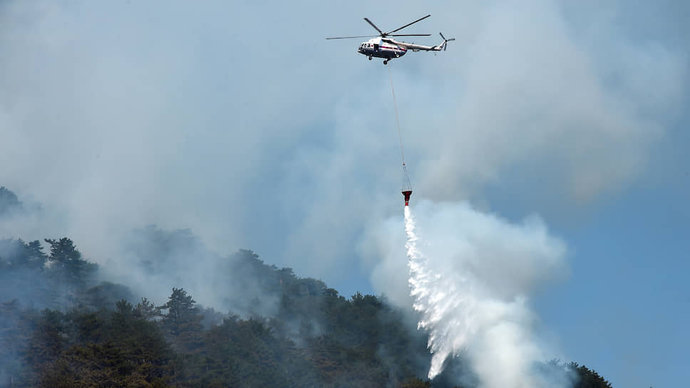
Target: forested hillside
{"type": "Point", "coordinates": [62, 325]}
{"type": "Point", "coordinates": [68, 331]}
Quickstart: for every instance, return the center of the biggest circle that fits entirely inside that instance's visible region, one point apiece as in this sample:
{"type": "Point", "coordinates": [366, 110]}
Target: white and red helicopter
{"type": "Point", "coordinates": [381, 46]}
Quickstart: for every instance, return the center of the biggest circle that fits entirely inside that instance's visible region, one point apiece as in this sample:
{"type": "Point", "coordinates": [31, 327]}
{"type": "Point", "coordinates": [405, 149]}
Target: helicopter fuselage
{"type": "Point", "coordinates": [379, 48]}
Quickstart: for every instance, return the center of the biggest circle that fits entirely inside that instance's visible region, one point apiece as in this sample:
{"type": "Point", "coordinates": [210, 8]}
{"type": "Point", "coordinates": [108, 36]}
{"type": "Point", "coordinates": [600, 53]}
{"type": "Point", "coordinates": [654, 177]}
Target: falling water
{"type": "Point", "coordinates": [471, 295]}
{"type": "Point", "coordinates": [435, 296]}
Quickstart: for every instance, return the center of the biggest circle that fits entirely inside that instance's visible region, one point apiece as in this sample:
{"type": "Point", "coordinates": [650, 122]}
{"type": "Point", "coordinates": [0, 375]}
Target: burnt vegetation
{"type": "Point", "coordinates": [61, 326]}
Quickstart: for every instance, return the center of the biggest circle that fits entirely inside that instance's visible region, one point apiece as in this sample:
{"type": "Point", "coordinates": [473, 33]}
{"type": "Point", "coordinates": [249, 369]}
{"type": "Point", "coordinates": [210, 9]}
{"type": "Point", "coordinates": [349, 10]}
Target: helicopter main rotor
{"type": "Point", "coordinates": [384, 34]}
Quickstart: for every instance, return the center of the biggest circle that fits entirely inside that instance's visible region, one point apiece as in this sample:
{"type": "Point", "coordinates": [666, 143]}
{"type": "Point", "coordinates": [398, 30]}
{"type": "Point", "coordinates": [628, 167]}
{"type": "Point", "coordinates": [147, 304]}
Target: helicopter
{"type": "Point", "coordinates": [381, 46]}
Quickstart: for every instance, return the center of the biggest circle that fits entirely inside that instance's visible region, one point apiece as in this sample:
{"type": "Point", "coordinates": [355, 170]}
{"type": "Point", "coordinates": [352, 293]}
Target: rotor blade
{"type": "Point", "coordinates": [352, 37]}
{"type": "Point", "coordinates": [442, 37]}
{"type": "Point", "coordinates": [374, 25]}
{"type": "Point", "coordinates": [407, 25]}
{"type": "Point", "coordinates": [408, 35]}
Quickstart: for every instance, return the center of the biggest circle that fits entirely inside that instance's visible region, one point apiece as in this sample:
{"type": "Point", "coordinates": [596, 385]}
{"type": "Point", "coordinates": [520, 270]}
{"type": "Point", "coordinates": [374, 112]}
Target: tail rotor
{"type": "Point", "coordinates": [445, 41]}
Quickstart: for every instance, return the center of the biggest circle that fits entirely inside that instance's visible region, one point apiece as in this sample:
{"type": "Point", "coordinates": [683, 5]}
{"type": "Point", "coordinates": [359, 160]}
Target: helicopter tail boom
{"type": "Point", "coordinates": [418, 47]}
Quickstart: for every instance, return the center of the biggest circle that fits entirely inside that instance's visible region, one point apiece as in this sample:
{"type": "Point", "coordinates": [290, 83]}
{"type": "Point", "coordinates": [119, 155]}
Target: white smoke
{"type": "Point", "coordinates": [471, 277]}
{"type": "Point", "coordinates": [116, 115]}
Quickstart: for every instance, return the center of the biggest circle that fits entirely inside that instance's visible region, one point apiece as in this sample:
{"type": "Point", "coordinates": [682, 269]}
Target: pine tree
{"type": "Point", "coordinates": [182, 322]}
{"type": "Point", "coordinates": [67, 264]}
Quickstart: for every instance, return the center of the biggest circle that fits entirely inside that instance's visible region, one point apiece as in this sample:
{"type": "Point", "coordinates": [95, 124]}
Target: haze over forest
{"type": "Point", "coordinates": [64, 324]}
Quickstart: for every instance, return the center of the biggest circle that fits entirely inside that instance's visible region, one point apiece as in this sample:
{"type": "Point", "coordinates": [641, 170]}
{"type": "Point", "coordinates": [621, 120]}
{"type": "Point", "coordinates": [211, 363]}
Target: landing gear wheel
{"type": "Point", "coordinates": [385, 62]}
{"type": "Point", "coordinates": [370, 58]}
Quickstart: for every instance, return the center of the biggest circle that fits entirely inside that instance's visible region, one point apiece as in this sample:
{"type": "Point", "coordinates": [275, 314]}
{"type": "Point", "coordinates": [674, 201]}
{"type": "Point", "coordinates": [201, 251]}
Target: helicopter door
{"type": "Point", "coordinates": [376, 47]}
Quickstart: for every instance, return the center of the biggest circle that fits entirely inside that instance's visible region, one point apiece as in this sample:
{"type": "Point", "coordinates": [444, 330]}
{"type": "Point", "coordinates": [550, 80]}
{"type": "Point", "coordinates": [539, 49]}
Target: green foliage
{"type": "Point", "coordinates": [146, 310]}
{"type": "Point", "coordinates": [67, 264]}
{"type": "Point", "coordinates": [17, 255]}
{"type": "Point", "coordinates": [315, 337]}
{"type": "Point", "coordinates": [63, 251]}
{"type": "Point", "coordinates": [363, 341]}
{"type": "Point", "coordinates": [105, 348]}
{"type": "Point", "coordinates": [59, 280]}
{"type": "Point", "coordinates": [102, 296]}
{"type": "Point", "coordinates": [16, 327]}
{"type": "Point", "coordinates": [588, 378]}
{"type": "Point", "coordinates": [182, 321]}
{"type": "Point", "coordinates": [416, 383]}
{"type": "Point", "coordinates": [247, 353]}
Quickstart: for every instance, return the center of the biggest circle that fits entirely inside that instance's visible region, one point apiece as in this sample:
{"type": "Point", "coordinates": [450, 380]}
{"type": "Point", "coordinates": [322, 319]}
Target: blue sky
{"type": "Point", "coordinates": [239, 121]}
{"type": "Point", "coordinates": [629, 279]}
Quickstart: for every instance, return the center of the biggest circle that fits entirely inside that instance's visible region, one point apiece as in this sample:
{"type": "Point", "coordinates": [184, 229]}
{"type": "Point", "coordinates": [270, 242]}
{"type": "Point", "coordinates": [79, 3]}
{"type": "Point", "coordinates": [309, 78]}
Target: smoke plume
{"type": "Point", "coordinates": [471, 275]}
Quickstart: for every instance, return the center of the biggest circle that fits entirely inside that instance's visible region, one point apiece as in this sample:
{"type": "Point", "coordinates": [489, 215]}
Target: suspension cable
{"type": "Point", "coordinates": [397, 118]}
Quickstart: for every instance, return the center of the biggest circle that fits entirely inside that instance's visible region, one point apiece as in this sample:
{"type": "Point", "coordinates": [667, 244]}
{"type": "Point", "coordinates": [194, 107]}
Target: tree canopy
{"type": "Point", "coordinates": [71, 330]}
